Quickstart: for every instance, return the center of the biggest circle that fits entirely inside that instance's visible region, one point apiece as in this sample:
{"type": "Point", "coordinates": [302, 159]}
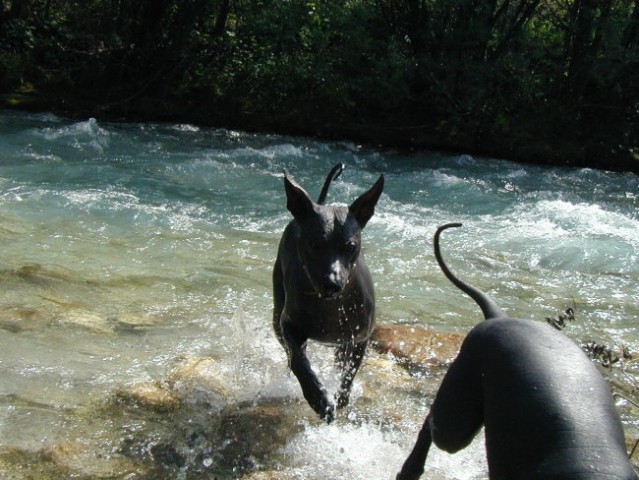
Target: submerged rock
{"type": "Point", "coordinates": [199, 381]}
{"type": "Point", "coordinates": [388, 391]}
{"type": "Point", "coordinates": [238, 439]}
{"type": "Point", "coordinates": [81, 461]}
{"type": "Point", "coordinates": [189, 422]}
{"type": "Point", "coordinates": [250, 434]}
{"type": "Point", "coordinates": [417, 345]}
{"type": "Point", "coordinates": [18, 463]}
{"type": "Point", "coordinates": [129, 322]}
{"type": "Point", "coordinates": [66, 460]}
{"type": "Point", "coordinates": [18, 319]}
{"type": "Point", "coordinates": [379, 369]}
{"type": "Point", "coordinates": [167, 455]}
{"type": "Point", "coordinates": [85, 319]}
{"type": "Point", "coordinates": [274, 475]}
{"type": "Point", "coordinates": [43, 275]}
{"type": "Point", "coordinates": [150, 396]}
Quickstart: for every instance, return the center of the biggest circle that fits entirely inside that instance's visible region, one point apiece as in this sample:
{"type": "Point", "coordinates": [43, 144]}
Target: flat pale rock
{"type": "Point", "coordinates": [274, 475]}
{"type": "Point", "coordinates": [150, 396]}
{"type": "Point", "coordinates": [417, 344]}
{"type": "Point", "coordinates": [199, 381]}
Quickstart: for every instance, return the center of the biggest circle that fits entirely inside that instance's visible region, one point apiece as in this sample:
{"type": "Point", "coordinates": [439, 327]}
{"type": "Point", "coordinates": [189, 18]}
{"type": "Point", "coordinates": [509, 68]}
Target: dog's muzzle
{"type": "Point", "coordinates": [330, 289]}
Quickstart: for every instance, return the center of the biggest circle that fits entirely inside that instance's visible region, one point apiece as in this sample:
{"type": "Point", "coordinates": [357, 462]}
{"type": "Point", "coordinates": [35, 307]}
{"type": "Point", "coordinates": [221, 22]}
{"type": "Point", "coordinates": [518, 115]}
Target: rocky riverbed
{"type": "Point", "coordinates": [188, 424]}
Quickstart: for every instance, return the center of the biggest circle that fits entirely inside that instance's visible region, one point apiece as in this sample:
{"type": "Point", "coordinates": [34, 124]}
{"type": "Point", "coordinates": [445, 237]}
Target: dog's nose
{"type": "Point", "coordinates": [333, 284]}
{"type": "Point", "coordinates": [334, 280]}
{"type": "Point", "coordinates": [331, 288]}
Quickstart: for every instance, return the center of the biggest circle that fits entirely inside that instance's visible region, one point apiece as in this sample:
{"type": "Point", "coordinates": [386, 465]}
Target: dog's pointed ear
{"type": "Point", "coordinates": [298, 201]}
{"type": "Point", "coordinates": [364, 207]}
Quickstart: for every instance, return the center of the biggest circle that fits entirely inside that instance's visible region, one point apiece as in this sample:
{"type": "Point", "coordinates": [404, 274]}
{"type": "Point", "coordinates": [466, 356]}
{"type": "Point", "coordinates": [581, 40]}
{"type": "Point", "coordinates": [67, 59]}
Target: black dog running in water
{"type": "Point", "coordinates": [548, 413]}
{"type": "Point", "coordinates": [322, 289]}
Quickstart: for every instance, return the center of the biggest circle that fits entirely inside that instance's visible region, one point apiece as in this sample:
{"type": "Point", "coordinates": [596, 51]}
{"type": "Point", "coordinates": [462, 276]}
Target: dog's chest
{"type": "Point", "coordinates": [337, 322]}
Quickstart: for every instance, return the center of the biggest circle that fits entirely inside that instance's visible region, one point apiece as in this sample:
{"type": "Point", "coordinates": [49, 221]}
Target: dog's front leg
{"type": "Point", "coordinates": [313, 390]}
{"type": "Point", "coordinates": [349, 357]}
{"type": "Point", "coordinates": [414, 465]}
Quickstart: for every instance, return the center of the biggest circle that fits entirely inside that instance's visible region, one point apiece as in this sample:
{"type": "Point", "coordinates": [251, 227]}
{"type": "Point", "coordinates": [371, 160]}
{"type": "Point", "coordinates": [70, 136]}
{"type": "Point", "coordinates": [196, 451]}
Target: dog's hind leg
{"type": "Point", "coordinates": [349, 357]}
{"type": "Point", "coordinates": [455, 416]}
{"type": "Point", "coordinates": [414, 465]}
{"type": "Point", "coordinates": [279, 297]}
{"type": "Point", "coordinates": [457, 413]}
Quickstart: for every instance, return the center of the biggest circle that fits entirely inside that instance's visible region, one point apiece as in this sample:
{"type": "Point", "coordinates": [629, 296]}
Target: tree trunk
{"type": "Point", "coordinates": [629, 38]}
{"type": "Point", "coordinates": [222, 17]}
{"type": "Point", "coordinates": [604, 15]}
{"type": "Point", "coordinates": [524, 13]}
{"type": "Point", "coordinates": [581, 47]}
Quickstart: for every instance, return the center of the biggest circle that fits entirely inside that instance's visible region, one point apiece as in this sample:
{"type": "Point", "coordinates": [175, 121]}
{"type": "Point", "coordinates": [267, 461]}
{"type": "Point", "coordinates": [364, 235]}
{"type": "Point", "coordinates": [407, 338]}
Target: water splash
{"type": "Point", "coordinates": [369, 451]}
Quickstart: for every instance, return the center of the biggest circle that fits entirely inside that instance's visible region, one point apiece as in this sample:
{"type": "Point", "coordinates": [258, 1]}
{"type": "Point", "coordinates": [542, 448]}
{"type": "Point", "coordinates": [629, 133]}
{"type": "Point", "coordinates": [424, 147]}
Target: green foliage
{"type": "Point", "coordinates": [529, 78]}
{"type": "Point", "coordinates": [313, 60]}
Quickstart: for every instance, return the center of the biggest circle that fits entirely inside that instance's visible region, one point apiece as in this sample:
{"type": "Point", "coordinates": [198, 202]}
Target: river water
{"type": "Point", "coordinates": [127, 247]}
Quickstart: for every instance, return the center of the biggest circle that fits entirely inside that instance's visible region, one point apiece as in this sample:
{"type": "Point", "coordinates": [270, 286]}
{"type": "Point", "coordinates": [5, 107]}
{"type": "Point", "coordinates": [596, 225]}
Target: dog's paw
{"type": "Point", "coordinates": [323, 406]}
{"type": "Point", "coordinates": [329, 413]}
{"type": "Point", "coordinates": [407, 476]}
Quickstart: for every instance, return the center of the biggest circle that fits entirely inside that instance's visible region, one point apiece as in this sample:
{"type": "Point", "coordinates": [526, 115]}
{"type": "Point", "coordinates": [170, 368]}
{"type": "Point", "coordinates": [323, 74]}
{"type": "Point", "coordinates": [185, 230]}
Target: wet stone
{"type": "Point", "coordinates": [250, 434]}
{"type": "Point", "coordinates": [18, 463]}
{"type": "Point", "coordinates": [150, 396]}
{"type": "Point", "coordinates": [417, 346]}
{"type": "Point", "coordinates": [167, 455]}
{"type": "Point", "coordinates": [389, 391]}
{"type": "Point", "coordinates": [274, 475]}
{"type": "Point", "coordinates": [196, 383]}
{"type": "Point", "coordinates": [80, 461]}
{"type": "Point", "coordinates": [130, 322]}
{"type": "Point", "coordinates": [19, 319]}
{"type": "Point", "coordinates": [85, 319]}
{"type": "Point", "coordinates": [199, 382]}
{"type": "Point", "coordinates": [240, 439]}
{"type": "Point", "coordinates": [64, 461]}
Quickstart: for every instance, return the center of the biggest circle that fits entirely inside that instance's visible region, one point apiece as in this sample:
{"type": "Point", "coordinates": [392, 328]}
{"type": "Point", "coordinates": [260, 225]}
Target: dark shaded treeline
{"type": "Point", "coordinates": [545, 81]}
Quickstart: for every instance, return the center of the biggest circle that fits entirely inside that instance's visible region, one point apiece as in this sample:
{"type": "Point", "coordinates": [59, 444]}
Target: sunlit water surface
{"type": "Point", "coordinates": [125, 247]}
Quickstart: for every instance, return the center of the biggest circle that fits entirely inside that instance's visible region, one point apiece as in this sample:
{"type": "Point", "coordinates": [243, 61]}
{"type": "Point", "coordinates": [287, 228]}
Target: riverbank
{"type": "Point", "coordinates": [540, 83]}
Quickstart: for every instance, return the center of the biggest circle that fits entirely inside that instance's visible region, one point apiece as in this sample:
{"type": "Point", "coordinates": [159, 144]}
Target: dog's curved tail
{"type": "Point", "coordinates": [334, 174]}
{"type": "Point", "coordinates": [488, 307]}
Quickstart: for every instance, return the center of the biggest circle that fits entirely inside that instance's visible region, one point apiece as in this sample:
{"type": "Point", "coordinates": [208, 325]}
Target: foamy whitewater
{"type": "Point", "coordinates": [125, 248]}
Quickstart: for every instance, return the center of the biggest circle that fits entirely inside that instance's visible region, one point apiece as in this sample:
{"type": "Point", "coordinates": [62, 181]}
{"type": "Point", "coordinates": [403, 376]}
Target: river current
{"type": "Point", "coordinates": [125, 247]}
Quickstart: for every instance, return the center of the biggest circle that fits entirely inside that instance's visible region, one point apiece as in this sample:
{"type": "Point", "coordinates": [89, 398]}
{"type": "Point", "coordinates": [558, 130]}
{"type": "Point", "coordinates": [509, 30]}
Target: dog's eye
{"type": "Point", "coordinates": [350, 246]}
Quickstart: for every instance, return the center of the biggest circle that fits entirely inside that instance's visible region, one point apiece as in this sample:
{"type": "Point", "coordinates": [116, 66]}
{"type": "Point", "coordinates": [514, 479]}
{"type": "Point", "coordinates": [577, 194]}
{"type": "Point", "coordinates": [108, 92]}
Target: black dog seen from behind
{"type": "Point", "coordinates": [548, 413]}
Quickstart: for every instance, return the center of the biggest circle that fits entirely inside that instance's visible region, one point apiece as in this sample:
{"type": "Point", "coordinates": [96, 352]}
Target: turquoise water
{"type": "Point", "coordinates": [124, 247]}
